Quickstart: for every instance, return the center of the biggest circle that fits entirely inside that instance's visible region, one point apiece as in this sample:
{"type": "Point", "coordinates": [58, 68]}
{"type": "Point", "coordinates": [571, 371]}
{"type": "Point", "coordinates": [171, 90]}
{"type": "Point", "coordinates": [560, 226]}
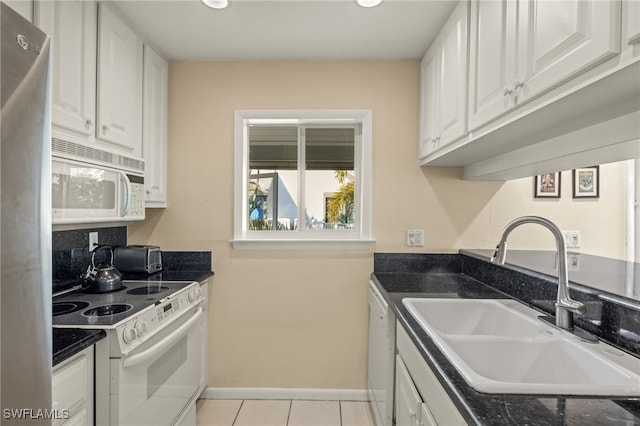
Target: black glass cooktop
{"type": "Point", "coordinates": [106, 310]}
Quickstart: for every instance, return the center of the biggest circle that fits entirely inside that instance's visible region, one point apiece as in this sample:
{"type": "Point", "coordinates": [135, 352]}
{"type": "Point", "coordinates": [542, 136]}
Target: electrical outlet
{"type": "Point", "coordinates": [93, 240]}
{"type": "Point", "coordinates": [572, 239]}
{"type": "Point", "coordinates": [415, 237]}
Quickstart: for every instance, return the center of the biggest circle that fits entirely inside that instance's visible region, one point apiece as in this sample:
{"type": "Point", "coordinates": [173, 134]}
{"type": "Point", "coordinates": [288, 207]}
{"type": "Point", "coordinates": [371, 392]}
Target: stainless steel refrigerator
{"type": "Point", "coordinates": [25, 222]}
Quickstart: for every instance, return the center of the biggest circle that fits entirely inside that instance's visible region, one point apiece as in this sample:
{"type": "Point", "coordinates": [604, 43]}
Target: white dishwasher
{"type": "Point", "coordinates": [380, 371]}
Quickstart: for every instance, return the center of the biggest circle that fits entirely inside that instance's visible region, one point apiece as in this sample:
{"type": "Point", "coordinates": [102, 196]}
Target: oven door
{"type": "Point", "coordinates": [157, 381]}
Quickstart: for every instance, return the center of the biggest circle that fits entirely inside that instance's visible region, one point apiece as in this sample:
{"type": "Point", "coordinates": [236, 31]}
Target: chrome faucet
{"type": "Point", "coordinates": [565, 306]}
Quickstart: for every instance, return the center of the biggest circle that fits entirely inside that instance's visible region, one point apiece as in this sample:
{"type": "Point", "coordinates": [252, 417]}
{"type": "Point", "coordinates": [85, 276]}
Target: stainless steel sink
{"type": "Point", "coordinates": [500, 346]}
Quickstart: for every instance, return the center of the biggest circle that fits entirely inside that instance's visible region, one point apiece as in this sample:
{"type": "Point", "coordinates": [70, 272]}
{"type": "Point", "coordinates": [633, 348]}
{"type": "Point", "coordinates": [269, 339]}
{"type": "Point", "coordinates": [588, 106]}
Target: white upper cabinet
{"type": "Point", "coordinates": [552, 85]}
{"type": "Point", "coordinates": [492, 59]}
{"type": "Point", "coordinates": [429, 103]}
{"type": "Point", "coordinates": [521, 49]}
{"type": "Point", "coordinates": [444, 85]}
{"type": "Point", "coordinates": [632, 14]}
{"type": "Point", "coordinates": [154, 128]}
{"type": "Point", "coordinates": [453, 75]}
{"type": "Point", "coordinates": [72, 25]}
{"type": "Point", "coordinates": [119, 88]}
{"type": "Point", "coordinates": [558, 39]}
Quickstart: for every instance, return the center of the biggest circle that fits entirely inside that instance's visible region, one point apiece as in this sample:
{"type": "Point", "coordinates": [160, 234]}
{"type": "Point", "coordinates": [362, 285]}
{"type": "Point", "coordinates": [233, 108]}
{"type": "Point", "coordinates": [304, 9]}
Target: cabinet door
{"type": "Point", "coordinates": [119, 85]}
{"type": "Point", "coordinates": [154, 128]}
{"type": "Point", "coordinates": [632, 16]}
{"type": "Point", "coordinates": [426, 418]}
{"type": "Point", "coordinates": [408, 401]}
{"type": "Point", "coordinates": [453, 76]}
{"type": "Point", "coordinates": [429, 101]}
{"type": "Point", "coordinates": [559, 39]}
{"type": "Point", "coordinates": [72, 387]}
{"type": "Point", "coordinates": [73, 25]}
{"type": "Point", "coordinates": [492, 60]}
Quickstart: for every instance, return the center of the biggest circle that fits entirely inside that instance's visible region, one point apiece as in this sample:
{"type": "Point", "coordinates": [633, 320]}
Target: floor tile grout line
{"type": "Point", "coordinates": [237, 413]}
{"type": "Point", "coordinates": [289, 413]}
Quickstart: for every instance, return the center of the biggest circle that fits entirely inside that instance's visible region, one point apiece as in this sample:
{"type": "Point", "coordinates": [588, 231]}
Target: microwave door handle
{"type": "Point", "coordinates": [164, 344]}
{"type": "Point", "coordinates": [126, 188]}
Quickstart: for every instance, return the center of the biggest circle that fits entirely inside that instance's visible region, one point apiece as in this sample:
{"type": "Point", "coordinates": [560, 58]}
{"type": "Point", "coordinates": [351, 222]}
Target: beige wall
{"type": "Point", "coordinates": [299, 320]}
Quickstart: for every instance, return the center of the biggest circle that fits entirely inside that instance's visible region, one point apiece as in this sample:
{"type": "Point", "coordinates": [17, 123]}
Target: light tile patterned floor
{"type": "Point", "coordinates": [214, 412]}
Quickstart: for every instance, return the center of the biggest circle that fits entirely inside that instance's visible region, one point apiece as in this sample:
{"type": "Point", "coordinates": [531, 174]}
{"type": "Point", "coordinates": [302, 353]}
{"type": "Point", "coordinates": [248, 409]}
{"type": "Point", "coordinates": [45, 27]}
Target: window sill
{"type": "Point", "coordinates": [303, 244]}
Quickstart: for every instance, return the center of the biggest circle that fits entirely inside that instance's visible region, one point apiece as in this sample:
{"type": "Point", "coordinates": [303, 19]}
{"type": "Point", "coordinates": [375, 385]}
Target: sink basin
{"type": "Point", "coordinates": [474, 317]}
{"type": "Point", "coordinates": [500, 346]}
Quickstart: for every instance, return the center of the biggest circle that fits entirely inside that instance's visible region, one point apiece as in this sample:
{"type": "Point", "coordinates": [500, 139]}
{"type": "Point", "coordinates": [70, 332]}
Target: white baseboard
{"type": "Point", "coordinates": [286, 393]}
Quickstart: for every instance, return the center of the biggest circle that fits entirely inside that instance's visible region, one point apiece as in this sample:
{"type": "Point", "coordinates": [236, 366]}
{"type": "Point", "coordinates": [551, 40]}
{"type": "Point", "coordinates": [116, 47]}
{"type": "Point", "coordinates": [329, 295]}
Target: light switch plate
{"type": "Point", "coordinates": [572, 239]}
{"type": "Point", "coordinates": [93, 240]}
{"type": "Point", "coordinates": [415, 237]}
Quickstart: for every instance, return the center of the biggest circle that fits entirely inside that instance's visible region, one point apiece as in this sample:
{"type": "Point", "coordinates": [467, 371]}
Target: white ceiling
{"type": "Point", "coordinates": [287, 29]}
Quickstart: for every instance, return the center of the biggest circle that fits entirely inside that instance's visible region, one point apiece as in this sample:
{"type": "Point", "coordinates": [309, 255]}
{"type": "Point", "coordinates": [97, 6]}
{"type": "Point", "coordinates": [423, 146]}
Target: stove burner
{"type": "Point", "coordinates": [105, 310]}
{"type": "Point", "coordinates": [145, 291]}
{"type": "Point", "coordinates": [62, 308]}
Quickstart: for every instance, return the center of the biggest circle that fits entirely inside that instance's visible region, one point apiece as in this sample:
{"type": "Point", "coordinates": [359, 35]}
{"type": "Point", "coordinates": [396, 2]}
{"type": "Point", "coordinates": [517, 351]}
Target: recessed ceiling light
{"type": "Point", "coordinates": [369, 3]}
{"type": "Point", "coordinates": [216, 4]}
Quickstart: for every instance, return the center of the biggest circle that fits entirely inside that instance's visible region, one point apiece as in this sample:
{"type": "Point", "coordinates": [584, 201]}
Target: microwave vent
{"type": "Point", "coordinates": [132, 163]}
{"type": "Point", "coordinates": [78, 151]}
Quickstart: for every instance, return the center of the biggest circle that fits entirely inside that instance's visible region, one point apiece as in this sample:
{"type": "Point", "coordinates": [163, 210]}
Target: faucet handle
{"type": "Point", "coordinates": [500, 253]}
{"type": "Point", "coordinates": [572, 305]}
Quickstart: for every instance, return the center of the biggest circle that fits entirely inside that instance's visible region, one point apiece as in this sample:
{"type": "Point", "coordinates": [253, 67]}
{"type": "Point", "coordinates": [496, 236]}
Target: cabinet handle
{"type": "Point", "coordinates": [517, 84]}
{"type": "Point", "coordinates": [507, 91]}
{"type": "Point", "coordinates": [88, 124]}
{"type": "Point", "coordinates": [412, 414]}
{"type": "Point", "coordinates": [105, 129]}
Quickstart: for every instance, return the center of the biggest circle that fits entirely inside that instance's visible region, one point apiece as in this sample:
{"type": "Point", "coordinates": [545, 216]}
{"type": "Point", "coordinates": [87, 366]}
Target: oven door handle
{"type": "Point", "coordinates": [164, 344]}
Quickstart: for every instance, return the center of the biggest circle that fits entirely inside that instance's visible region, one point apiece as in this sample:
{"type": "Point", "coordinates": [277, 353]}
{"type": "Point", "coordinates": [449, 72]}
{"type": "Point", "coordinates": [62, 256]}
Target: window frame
{"type": "Point", "coordinates": [304, 239]}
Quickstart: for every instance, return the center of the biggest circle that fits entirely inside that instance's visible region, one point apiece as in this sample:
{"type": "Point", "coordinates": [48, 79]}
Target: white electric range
{"type": "Point", "coordinates": [154, 351]}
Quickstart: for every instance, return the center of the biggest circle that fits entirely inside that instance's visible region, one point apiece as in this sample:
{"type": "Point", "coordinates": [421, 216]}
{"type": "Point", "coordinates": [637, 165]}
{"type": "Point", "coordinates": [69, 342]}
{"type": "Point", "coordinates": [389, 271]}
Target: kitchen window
{"type": "Point", "coordinates": [303, 180]}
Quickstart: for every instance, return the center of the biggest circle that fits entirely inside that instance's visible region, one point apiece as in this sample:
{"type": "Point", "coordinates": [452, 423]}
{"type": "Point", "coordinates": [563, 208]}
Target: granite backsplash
{"type": "Point", "coordinates": [71, 256]}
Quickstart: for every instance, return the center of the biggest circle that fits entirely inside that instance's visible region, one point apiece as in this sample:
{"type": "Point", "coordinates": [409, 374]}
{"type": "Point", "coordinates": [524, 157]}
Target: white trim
{"type": "Point", "coordinates": [360, 239]}
{"type": "Point", "coordinates": [302, 244]}
{"type": "Point", "coordinates": [286, 393]}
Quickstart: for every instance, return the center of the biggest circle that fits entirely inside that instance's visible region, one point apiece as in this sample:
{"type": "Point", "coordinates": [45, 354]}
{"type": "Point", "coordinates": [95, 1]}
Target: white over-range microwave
{"type": "Point", "coordinates": [83, 191]}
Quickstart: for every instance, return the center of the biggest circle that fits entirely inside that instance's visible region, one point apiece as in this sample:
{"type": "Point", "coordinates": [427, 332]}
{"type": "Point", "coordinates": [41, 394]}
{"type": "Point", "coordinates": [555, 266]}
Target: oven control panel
{"type": "Point", "coordinates": [149, 322]}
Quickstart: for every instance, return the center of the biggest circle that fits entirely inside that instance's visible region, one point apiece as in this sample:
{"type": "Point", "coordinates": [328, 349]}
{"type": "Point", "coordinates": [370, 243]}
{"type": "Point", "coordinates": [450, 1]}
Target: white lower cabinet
{"type": "Point", "coordinates": [73, 389]}
{"type": "Point", "coordinates": [420, 400]}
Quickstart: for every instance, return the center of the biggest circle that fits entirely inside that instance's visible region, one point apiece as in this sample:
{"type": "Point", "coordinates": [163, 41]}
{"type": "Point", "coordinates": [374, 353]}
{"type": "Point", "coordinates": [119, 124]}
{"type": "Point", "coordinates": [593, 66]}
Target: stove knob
{"type": "Point", "coordinates": [193, 294]}
{"type": "Point", "coordinates": [129, 335]}
{"type": "Point", "coordinates": [141, 327]}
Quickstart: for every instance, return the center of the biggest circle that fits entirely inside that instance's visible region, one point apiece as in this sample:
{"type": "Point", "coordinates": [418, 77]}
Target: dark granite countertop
{"type": "Point", "coordinates": [443, 276]}
{"type": "Point", "coordinates": [197, 276]}
{"type": "Point", "coordinates": [69, 341]}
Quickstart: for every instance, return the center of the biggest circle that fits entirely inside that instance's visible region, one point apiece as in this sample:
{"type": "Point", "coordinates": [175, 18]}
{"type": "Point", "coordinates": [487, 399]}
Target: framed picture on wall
{"type": "Point", "coordinates": [547, 185]}
{"type": "Point", "coordinates": [586, 182]}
